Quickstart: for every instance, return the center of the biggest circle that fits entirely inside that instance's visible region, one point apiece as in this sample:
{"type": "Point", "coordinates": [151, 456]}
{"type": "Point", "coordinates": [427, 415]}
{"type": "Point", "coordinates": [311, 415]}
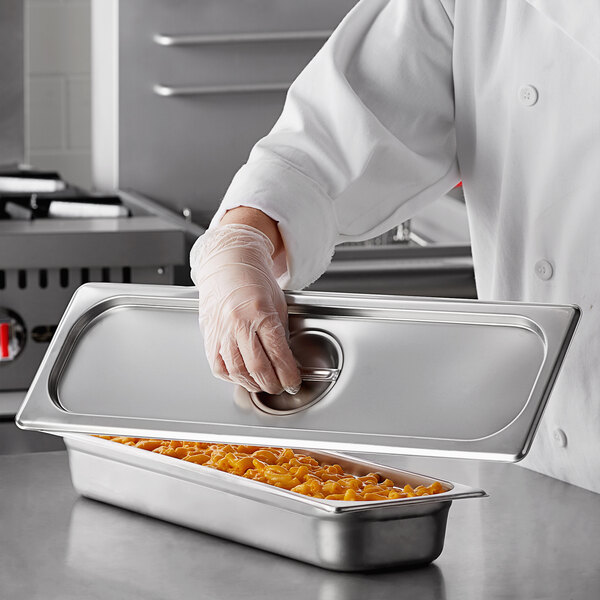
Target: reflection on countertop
{"type": "Point", "coordinates": [104, 544]}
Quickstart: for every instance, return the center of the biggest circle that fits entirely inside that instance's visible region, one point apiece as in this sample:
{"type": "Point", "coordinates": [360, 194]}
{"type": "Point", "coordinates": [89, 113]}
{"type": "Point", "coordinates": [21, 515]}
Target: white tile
{"type": "Point", "coordinates": [59, 38]}
{"type": "Point", "coordinates": [79, 117]}
{"type": "Point", "coordinates": [46, 110]}
{"type": "Point", "coordinates": [76, 168]}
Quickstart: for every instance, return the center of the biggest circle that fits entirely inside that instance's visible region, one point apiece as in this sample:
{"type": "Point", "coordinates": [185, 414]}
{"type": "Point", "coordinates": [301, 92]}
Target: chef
{"type": "Point", "coordinates": [407, 98]}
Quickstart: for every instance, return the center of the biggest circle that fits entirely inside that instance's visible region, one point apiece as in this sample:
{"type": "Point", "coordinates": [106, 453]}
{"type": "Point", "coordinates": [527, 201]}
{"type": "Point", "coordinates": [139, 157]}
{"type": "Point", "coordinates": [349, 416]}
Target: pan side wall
{"type": "Point", "coordinates": [342, 542]}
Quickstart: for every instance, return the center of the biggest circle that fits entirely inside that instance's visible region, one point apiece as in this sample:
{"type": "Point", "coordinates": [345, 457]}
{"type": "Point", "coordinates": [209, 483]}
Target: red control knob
{"type": "Point", "coordinates": [12, 335]}
{"type": "Point", "coordinates": [4, 339]}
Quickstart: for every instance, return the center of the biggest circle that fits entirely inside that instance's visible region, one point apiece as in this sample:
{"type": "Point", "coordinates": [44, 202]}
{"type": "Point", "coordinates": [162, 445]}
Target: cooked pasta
{"type": "Point", "coordinates": [283, 468]}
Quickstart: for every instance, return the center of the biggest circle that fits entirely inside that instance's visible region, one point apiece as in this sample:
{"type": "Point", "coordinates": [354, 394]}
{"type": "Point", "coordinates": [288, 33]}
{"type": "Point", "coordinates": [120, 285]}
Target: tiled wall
{"type": "Point", "coordinates": [58, 105]}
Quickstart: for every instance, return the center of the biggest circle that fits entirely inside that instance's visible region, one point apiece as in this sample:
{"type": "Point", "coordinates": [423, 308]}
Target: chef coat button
{"type": "Point", "coordinates": [560, 437]}
{"type": "Point", "coordinates": [528, 95]}
{"type": "Point", "coordinates": [544, 270]}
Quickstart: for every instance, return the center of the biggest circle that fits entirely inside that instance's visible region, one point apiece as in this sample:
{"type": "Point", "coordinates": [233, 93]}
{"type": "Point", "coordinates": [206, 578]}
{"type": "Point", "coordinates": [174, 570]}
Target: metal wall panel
{"type": "Point", "coordinates": [12, 128]}
{"type": "Point", "coordinates": [184, 150]}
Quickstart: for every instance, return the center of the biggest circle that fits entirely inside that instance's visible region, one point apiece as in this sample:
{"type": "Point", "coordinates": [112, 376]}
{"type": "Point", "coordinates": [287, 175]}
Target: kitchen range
{"type": "Point", "coordinates": [127, 470]}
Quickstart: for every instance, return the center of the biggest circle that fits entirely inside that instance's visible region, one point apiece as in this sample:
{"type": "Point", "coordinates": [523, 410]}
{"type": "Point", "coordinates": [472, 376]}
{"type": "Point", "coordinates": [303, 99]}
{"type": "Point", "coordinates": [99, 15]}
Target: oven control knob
{"type": "Point", "coordinates": [12, 335]}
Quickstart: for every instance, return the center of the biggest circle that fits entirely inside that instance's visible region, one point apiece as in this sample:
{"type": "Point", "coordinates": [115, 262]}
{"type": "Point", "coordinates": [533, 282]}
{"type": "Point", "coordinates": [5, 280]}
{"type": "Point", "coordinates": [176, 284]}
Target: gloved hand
{"type": "Point", "coordinates": [243, 313]}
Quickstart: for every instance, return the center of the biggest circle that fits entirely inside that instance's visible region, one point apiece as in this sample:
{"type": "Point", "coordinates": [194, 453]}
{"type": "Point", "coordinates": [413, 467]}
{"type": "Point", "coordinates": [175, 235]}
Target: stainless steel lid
{"type": "Point", "coordinates": [394, 375]}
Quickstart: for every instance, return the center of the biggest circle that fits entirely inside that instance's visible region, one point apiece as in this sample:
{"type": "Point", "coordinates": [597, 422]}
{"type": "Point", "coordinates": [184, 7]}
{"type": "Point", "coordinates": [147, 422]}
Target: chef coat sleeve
{"type": "Point", "coordinates": [366, 136]}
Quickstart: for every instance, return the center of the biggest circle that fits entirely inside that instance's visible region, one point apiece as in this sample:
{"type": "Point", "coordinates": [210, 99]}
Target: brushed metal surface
{"type": "Point", "coordinates": [420, 376]}
{"type": "Point", "coordinates": [343, 536]}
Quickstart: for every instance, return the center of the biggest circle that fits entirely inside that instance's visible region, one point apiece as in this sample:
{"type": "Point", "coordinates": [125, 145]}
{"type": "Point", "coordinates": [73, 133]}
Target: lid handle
{"type": "Point", "coordinates": [323, 352]}
{"type": "Point", "coordinates": [318, 374]}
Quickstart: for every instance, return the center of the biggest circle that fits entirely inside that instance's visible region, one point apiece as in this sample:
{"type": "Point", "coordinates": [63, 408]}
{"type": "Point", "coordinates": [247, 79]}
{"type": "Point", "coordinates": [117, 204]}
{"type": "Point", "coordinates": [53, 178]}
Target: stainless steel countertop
{"type": "Point", "coordinates": [534, 537]}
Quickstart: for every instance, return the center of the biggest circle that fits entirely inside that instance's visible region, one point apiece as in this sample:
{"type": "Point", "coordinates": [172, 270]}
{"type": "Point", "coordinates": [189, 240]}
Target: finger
{"type": "Point", "coordinates": [219, 369]}
{"type": "Point", "coordinates": [215, 360]}
{"type": "Point", "coordinates": [257, 363]}
{"type": "Point", "coordinates": [236, 368]}
{"type": "Point", "coordinates": [273, 340]}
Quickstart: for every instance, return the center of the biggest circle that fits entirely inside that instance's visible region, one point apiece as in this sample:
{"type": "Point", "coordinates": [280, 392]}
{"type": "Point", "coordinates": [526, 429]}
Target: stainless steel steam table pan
{"type": "Point", "coordinates": [451, 378]}
{"type": "Point", "coordinates": [342, 536]}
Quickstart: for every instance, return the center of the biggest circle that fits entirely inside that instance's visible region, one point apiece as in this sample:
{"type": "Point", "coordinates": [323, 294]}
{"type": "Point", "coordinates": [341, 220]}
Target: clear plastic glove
{"type": "Point", "coordinates": [243, 313]}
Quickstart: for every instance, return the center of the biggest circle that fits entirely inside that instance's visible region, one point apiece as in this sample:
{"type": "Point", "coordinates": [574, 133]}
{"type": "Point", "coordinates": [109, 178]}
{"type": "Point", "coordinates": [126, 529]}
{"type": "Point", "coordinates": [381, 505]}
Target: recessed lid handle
{"type": "Point", "coordinates": [310, 347]}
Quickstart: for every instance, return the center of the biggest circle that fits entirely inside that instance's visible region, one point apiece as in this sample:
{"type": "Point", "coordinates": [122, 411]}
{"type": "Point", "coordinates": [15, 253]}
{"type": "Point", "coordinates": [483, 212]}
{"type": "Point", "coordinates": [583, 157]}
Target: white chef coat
{"type": "Point", "coordinates": [410, 96]}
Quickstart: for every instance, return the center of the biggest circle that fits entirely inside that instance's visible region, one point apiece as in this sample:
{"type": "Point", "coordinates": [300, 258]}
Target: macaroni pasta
{"type": "Point", "coordinates": [283, 468]}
